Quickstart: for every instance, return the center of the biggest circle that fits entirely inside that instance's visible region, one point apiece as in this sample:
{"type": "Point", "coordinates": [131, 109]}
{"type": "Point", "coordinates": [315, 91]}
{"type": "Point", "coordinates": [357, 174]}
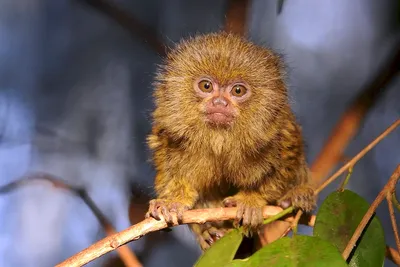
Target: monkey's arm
{"type": "Point", "coordinates": [293, 179]}
{"type": "Point", "coordinates": [174, 193]}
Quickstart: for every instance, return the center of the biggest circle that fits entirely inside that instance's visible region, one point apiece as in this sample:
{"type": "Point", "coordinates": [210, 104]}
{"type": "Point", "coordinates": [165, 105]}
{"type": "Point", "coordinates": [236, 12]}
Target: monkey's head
{"type": "Point", "coordinates": [219, 83]}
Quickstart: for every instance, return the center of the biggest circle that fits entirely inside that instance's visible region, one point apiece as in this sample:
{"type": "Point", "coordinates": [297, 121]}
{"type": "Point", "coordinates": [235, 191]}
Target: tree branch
{"type": "Point", "coordinates": [129, 23]}
{"type": "Point", "coordinates": [359, 156]}
{"type": "Point", "coordinates": [126, 255]}
{"type": "Point", "coordinates": [393, 255]}
{"type": "Point", "coordinates": [148, 225]}
{"type": "Point", "coordinates": [348, 125]}
{"type": "Point", "coordinates": [236, 17]}
{"type": "Point", "coordinates": [393, 220]}
{"type": "Point", "coordinates": [388, 188]}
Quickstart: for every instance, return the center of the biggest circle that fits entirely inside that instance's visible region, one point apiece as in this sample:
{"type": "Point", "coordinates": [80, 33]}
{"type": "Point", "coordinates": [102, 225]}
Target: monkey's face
{"type": "Point", "coordinates": [219, 84]}
{"type": "Point", "coordinates": [220, 101]}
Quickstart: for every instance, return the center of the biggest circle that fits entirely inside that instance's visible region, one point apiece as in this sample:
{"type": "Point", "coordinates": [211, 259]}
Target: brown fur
{"type": "Point", "coordinates": [258, 160]}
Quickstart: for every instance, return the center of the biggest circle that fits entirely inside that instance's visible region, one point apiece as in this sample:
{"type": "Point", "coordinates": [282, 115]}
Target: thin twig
{"type": "Point", "coordinates": [134, 232]}
{"type": "Point", "coordinates": [126, 255]}
{"type": "Point", "coordinates": [388, 188]}
{"type": "Point", "coordinates": [130, 23]}
{"type": "Point", "coordinates": [393, 255]}
{"type": "Point", "coordinates": [350, 164]}
{"type": "Point", "coordinates": [393, 220]}
{"type": "Point", "coordinates": [286, 232]}
{"type": "Point", "coordinates": [358, 156]}
{"type": "Point", "coordinates": [296, 222]}
{"type": "Point", "coordinates": [355, 159]}
{"type": "Point", "coordinates": [348, 125]}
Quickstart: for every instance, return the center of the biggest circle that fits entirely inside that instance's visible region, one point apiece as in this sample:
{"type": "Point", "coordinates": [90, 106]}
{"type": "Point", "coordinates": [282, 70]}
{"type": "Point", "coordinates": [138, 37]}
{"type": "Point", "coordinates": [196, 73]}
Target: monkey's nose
{"type": "Point", "coordinates": [220, 101]}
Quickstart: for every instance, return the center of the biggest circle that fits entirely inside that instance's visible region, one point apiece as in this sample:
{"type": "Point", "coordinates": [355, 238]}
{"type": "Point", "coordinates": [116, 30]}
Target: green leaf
{"type": "Point", "coordinates": [294, 252]}
{"type": "Point", "coordinates": [222, 251]}
{"type": "Point", "coordinates": [338, 218]}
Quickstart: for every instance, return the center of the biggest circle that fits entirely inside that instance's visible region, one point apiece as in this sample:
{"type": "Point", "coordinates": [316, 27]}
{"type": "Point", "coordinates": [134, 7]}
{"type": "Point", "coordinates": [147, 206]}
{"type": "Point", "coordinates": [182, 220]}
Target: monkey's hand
{"type": "Point", "coordinates": [249, 213]}
{"type": "Point", "coordinates": [165, 207]}
{"type": "Point", "coordinates": [301, 197]}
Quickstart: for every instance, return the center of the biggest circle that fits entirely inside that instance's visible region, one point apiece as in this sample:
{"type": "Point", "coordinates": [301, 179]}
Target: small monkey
{"type": "Point", "coordinates": [224, 135]}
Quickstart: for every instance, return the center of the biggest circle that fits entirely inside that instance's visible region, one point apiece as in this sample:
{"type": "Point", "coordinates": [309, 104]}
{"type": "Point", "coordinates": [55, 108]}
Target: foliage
{"type": "Point", "coordinates": [336, 221]}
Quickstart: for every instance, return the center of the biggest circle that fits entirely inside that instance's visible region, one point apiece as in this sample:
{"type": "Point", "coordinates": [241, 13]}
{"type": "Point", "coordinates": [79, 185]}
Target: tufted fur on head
{"type": "Point", "coordinates": [225, 58]}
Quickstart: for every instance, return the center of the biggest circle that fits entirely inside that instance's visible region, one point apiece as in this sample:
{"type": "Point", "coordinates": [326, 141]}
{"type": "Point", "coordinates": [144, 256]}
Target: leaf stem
{"type": "Point", "coordinates": [395, 201]}
{"type": "Point", "coordinates": [346, 180]}
{"type": "Point", "coordinates": [279, 215]}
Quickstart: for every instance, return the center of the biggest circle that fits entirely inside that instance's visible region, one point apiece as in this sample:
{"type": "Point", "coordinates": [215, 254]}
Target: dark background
{"type": "Point", "coordinates": [75, 99]}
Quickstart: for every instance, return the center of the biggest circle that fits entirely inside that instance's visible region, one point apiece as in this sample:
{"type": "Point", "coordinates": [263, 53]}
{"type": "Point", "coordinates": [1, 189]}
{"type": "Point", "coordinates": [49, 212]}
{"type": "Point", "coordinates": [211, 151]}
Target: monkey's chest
{"type": "Point", "coordinates": [212, 196]}
{"type": "Point", "coordinates": [210, 177]}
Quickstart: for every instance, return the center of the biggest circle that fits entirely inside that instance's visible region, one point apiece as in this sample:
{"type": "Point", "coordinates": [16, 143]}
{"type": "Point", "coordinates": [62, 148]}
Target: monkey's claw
{"type": "Point", "coordinates": [210, 235]}
{"type": "Point", "coordinates": [301, 197]}
{"type": "Point", "coordinates": [249, 213]}
{"type": "Point", "coordinates": [165, 207]}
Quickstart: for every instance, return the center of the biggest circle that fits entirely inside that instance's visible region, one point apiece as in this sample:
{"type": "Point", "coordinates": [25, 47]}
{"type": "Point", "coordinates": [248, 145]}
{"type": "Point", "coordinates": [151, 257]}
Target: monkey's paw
{"type": "Point", "coordinates": [249, 213]}
{"type": "Point", "coordinates": [210, 235]}
{"type": "Point", "coordinates": [165, 207]}
{"type": "Point", "coordinates": [301, 197]}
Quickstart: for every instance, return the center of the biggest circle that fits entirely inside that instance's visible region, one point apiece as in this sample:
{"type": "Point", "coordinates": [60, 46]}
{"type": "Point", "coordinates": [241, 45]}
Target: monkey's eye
{"type": "Point", "coordinates": [238, 90]}
{"type": "Point", "coordinates": [206, 86]}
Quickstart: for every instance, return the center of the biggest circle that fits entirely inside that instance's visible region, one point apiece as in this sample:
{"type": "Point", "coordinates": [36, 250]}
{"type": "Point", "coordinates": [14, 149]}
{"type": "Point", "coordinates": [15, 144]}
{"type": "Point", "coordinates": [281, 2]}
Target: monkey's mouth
{"type": "Point", "coordinates": [219, 116]}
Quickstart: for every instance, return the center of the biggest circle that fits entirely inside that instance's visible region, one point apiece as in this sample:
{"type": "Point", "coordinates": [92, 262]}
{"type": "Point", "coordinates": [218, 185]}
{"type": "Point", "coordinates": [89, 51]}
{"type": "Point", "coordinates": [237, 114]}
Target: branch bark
{"type": "Point", "coordinates": [146, 226]}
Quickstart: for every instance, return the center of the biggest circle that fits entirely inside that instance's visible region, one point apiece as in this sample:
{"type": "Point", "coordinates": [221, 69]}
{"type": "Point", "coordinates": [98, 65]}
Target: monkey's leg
{"type": "Point", "coordinates": [176, 197]}
{"type": "Point", "coordinates": [301, 197]}
{"type": "Point", "coordinates": [249, 212]}
{"type": "Point", "coordinates": [206, 234]}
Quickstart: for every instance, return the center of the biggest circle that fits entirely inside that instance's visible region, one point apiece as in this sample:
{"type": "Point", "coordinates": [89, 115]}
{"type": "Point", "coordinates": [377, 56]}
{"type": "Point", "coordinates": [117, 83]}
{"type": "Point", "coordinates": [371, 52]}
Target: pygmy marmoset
{"type": "Point", "coordinates": [224, 134]}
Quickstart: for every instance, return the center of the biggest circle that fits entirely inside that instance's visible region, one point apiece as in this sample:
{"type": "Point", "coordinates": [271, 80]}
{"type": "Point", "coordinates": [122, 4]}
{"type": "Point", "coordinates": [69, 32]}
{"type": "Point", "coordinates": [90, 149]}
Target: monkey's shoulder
{"type": "Point", "coordinates": [160, 138]}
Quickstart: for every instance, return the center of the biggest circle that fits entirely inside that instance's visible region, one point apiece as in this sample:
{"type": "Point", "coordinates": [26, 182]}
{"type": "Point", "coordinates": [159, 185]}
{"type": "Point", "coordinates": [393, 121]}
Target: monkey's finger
{"type": "Point", "coordinates": [179, 214]}
{"type": "Point", "coordinates": [180, 209]}
{"type": "Point", "coordinates": [247, 216]}
{"type": "Point", "coordinates": [217, 233]}
{"type": "Point", "coordinates": [167, 215]}
{"type": "Point", "coordinates": [153, 212]}
{"type": "Point", "coordinates": [256, 218]}
{"type": "Point", "coordinates": [239, 214]}
{"type": "Point", "coordinates": [207, 237]}
{"type": "Point", "coordinates": [203, 244]}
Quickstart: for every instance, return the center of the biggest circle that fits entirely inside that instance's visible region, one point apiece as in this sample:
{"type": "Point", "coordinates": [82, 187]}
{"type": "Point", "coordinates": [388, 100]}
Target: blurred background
{"type": "Point", "coordinates": [75, 102]}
